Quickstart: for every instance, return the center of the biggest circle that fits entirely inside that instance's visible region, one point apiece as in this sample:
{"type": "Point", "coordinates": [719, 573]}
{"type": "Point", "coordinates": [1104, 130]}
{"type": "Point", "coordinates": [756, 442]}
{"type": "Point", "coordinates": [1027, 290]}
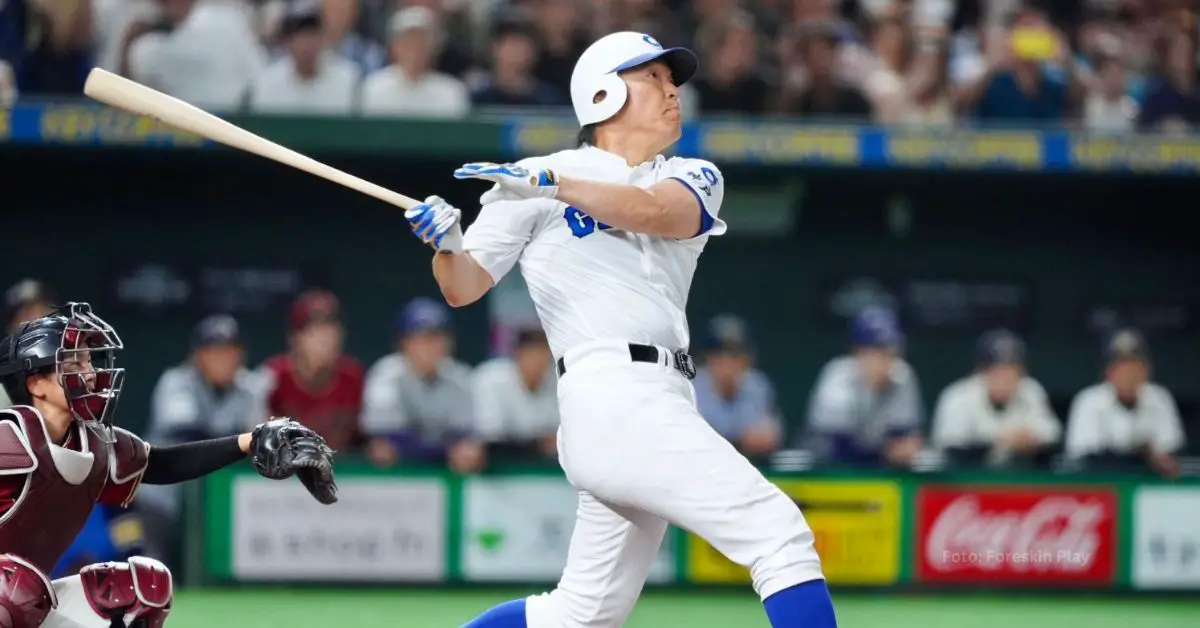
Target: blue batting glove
{"type": "Point", "coordinates": [513, 182]}
{"type": "Point", "coordinates": [438, 224]}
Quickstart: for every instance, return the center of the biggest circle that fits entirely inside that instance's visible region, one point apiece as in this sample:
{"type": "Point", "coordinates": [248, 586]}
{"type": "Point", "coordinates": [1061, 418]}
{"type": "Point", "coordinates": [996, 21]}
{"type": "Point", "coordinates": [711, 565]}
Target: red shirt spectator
{"type": "Point", "coordinates": [315, 383]}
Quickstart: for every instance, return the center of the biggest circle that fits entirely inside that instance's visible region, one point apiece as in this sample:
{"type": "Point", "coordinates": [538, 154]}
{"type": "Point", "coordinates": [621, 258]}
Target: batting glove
{"type": "Point", "coordinates": [438, 224]}
{"type": "Point", "coordinates": [513, 183]}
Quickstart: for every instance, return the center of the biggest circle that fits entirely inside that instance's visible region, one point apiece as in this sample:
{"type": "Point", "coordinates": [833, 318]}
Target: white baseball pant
{"type": "Point", "coordinates": [633, 443]}
{"type": "Point", "coordinates": [74, 610]}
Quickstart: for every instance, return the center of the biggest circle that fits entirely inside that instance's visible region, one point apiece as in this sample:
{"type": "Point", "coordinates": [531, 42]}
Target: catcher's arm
{"type": "Point", "coordinates": [279, 449]}
{"type": "Point", "coordinates": [179, 463]}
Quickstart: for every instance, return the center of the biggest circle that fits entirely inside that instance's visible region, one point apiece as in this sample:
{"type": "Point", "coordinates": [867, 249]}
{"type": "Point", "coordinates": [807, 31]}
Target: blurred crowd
{"type": "Point", "coordinates": [1107, 65]}
{"type": "Point", "coordinates": [420, 405]}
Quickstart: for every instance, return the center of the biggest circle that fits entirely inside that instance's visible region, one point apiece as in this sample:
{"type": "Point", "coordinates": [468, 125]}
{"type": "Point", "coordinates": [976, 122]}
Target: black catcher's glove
{"type": "Point", "coordinates": [281, 448]}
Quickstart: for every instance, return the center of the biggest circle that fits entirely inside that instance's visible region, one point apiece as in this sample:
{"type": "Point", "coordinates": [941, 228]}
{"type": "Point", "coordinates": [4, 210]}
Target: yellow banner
{"type": "Point", "coordinates": [857, 530]}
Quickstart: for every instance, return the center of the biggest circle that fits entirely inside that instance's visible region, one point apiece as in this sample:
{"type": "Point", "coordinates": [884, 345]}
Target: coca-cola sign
{"type": "Point", "coordinates": [1016, 535]}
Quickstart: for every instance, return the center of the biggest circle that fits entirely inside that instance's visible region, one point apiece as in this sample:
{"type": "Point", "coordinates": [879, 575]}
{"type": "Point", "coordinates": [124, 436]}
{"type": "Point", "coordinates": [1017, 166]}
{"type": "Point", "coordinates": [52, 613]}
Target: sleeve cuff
{"type": "Point", "coordinates": [493, 265]}
{"type": "Point", "coordinates": [706, 219]}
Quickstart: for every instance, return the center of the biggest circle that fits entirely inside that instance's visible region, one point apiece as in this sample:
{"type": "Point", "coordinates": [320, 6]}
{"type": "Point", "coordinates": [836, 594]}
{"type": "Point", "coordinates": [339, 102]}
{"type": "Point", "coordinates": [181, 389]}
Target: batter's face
{"type": "Point", "coordinates": [653, 104]}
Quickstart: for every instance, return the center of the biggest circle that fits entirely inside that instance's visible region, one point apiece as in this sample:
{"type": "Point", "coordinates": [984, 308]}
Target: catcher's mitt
{"type": "Point", "coordinates": [281, 448]}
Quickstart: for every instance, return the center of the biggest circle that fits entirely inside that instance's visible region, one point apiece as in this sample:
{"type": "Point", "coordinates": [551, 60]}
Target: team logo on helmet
{"type": "Point", "coordinates": [652, 41]}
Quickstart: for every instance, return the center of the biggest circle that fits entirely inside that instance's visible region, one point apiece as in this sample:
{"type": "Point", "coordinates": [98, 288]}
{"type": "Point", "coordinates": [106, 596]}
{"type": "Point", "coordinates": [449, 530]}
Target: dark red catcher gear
{"type": "Point", "coordinates": [77, 346]}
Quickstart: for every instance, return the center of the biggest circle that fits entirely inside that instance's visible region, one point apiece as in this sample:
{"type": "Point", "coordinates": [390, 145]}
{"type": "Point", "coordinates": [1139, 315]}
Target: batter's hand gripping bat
{"type": "Point", "coordinates": [122, 93]}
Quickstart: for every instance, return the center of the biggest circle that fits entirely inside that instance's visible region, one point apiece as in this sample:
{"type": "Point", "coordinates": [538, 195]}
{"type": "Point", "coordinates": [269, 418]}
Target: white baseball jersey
{"type": "Point", "coordinates": [589, 281]}
{"type": "Point", "coordinates": [1099, 423]}
{"type": "Point", "coordinates": [630, 438]}
{"type": "Point", "coordinates": [966, 417]}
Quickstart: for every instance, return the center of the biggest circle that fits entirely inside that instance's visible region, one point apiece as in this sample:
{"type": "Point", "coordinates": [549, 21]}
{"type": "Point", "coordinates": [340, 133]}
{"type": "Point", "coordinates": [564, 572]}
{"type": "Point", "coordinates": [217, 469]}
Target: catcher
{"type": "Point", "coordinates": [60, 455]}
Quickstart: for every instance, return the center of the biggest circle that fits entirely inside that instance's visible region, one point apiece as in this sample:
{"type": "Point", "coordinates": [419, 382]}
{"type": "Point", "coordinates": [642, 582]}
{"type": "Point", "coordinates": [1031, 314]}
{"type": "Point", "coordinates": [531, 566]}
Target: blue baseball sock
{"type": "Point", "coordinates": [510, 614]}
{"type": "Point", "coordinates": [805, 605]}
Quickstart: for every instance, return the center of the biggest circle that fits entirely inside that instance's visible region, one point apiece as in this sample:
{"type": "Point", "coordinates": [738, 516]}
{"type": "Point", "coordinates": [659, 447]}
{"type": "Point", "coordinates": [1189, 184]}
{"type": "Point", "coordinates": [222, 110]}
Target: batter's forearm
{"type": "Point", "coordinates": [461, 279]}
{"type": "Point", "coordinates": [619, 206]}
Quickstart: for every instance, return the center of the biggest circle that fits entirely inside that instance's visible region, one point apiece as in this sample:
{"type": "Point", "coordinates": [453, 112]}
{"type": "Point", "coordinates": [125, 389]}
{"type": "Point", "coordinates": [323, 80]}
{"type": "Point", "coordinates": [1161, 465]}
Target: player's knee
{"type": "Point", "coordinates": [136, 594]}
{"type": "Point", "coordinates": [26, 595]}
{"type": "Point", "coordinates": [786, 568]}
{"type": "Point", "coordinates": [795, 561]}
{"type": "Point", "coordinates": [565, 609]}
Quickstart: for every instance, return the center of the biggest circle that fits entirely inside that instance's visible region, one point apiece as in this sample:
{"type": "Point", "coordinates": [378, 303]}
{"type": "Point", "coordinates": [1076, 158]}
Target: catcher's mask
{"type": "Point", "coordinates": [80, 349]}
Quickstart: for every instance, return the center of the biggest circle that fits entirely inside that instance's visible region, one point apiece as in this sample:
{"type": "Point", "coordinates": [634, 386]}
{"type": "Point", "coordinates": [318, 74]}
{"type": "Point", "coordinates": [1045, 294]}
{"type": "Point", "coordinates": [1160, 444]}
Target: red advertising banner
{"type": "Point", "coordinates": [1016, 535]}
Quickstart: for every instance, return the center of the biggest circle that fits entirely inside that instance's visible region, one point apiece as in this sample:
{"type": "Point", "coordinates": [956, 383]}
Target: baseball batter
{"type": "Point", "coordinates": [608, 236]}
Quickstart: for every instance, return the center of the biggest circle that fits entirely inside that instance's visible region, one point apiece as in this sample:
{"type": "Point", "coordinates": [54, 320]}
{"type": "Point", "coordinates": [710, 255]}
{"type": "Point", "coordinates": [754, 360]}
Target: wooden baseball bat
{"type": "Point", "coordinates": [122, 93]}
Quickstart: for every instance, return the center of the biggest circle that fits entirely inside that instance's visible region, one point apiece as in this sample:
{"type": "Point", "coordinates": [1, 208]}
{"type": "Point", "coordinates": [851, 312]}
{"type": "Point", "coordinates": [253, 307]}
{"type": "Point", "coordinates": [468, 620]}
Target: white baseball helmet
{"type": "Point", "coordinates": [598, 66]}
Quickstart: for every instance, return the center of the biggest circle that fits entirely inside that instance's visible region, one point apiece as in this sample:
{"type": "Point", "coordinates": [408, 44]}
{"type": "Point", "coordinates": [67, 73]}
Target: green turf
{"type": "Point", "coordinates": [250, 608]}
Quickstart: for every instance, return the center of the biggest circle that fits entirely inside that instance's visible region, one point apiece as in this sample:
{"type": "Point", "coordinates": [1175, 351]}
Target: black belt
{"type": "Point", "coordinates": [681, 361]}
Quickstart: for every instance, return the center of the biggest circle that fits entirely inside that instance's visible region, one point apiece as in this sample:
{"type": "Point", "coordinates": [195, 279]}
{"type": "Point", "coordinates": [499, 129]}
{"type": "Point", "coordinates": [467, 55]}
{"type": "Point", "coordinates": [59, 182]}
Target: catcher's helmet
{"type": "Point", "coordinates": [596, 72]}
{"type": "Point", "coordinates": [79, 348]}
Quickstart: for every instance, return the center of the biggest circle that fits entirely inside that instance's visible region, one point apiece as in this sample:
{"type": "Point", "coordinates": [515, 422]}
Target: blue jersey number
{"type": "Point", "coordinates": [582, 224]}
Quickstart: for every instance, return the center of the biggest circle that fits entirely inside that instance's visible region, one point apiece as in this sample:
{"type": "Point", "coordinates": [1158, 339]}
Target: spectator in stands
{"type": "Point", "coordinates": [13, 22]}
{"type": "Point", "coordinates": [928, 87]}
{"type": "Point", "coordinates": [314, 382]}
{"type": "Point", "coordinates": [885, 85]}
{"type": "Point", "coordinates": [1173, 100]}
{"type": "Point", "coordinates": [516, 400]}
{"type": "Point", "coordinates": [998, 416]}
{"type": "Point", "coordinates": [111, 21]}
{"type": "Point", "coordinates": [339, 18]}
{"type": "Point", "coordinates": [309, 79]}
{"type": "Point", "coordinates": [210, 395]}
{"type": "Point", "coordinates": [818, 91]}
{"type": "Point", "coordinates": [8, 85]}
{"type": "Point", "coordinates": [58, 47]}
{"type": "Point", "coordinates": [561, 39]}
{"type": "Point", "coordinates": [455, 55]}
{"type": "Point", "coordinates": [1015, 83]}
{"type": "Point", "coordinates": [409, 87]}
{"type": "Point", "coordinates": [731, 81]}
{"type": "Point", "coordinates": [206, 53]}
{"type": "Point", "coordinates": [511, 82]}
{"type": "Point", "coordinates": [698, 16]}
{"type": "Point", "coordinates": [866, 407]}
{"type": "Point", "coordinates": [642, 16]}
{"type": "Point", "coordinates": [418, 399]}
{"type": "Point", "coordinates": [734, 397]}
{"type": "Point", "coordinates": [1107, 107]}
{"type": "Point", "coordinates": [1126, 421]}
{"type": "Point", "coordinates": [24, 301]}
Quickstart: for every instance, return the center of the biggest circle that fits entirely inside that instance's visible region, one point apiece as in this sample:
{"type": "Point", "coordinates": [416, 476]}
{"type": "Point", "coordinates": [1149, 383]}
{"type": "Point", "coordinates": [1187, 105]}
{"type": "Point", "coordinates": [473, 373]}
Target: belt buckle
{"type": "Point", "coordinates": [684, 364]}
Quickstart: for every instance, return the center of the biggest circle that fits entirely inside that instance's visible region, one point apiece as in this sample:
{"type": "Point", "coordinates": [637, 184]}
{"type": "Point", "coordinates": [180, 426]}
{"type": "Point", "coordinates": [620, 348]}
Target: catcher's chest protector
{"type": "Point", "coordinates": [60, 490]}
{"type": "Point", "coordinates": [62, 485]}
